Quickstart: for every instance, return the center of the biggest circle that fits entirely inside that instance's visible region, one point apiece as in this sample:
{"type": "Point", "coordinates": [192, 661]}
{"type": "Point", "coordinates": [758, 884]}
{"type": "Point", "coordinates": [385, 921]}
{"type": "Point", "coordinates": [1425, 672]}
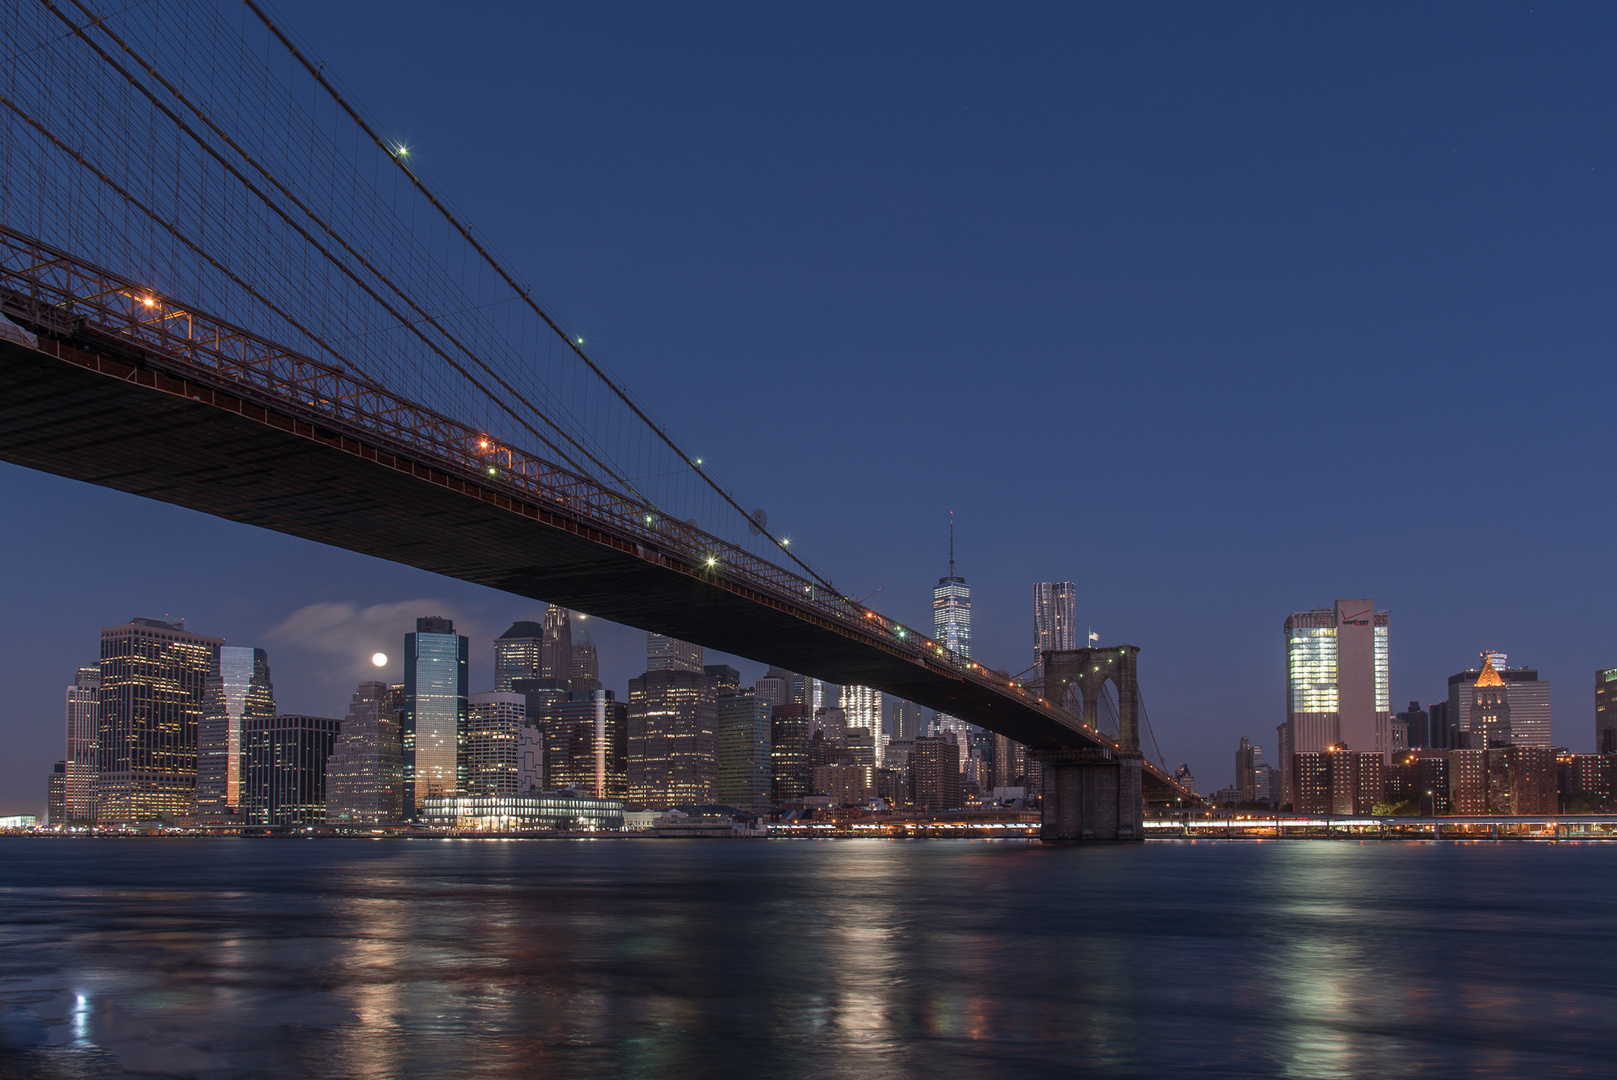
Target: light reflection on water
{"type": "Point", "coordinates": [857, 959]}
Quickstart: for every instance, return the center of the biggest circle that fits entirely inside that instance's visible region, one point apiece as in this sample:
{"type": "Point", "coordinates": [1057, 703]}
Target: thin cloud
{"type": "Point", "coordinates": [345, 636]}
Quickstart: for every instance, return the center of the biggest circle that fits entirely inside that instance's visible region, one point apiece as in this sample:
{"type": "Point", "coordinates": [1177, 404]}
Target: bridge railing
{"type": "Point", "coordinates": [64, 295]}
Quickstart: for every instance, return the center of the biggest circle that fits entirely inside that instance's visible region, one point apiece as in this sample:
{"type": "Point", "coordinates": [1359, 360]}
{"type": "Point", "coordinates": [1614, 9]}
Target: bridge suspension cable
{"type": "Point", "coordinates": [239, 179]}
{"type": "Point", "coordinates": [210, 201]}
{"type": "Point", "coordinates": [571, 342]}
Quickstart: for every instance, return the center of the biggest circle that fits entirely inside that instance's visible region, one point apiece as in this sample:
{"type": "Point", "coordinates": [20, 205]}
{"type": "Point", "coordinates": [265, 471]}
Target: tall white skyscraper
{"type": "Point", "coordinates": [1338, 688]}
{"type": "Point", "coordinates": [861, 708]}
{"type": "Point", "coordinates": [951, 626]}
{"type": "Point", "coordinates": [951, 610]}
{"type": "Point", "coordinates": [78, 766]}
{"type": "Point", "coordinates": [1055, 617]}
{"type": "Point", "coordinates": [671, 654]}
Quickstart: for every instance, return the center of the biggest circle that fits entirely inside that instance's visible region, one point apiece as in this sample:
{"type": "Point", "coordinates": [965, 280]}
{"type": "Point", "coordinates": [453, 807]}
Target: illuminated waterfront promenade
{"type": "Point", "coordinates": [1368, 827]}
{"type": "Point", "coordinates": [1005, 825]}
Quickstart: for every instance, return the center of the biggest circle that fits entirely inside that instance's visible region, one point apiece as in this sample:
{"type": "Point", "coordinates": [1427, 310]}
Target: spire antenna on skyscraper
{"type": "Point", "coordinates": [951, 543]}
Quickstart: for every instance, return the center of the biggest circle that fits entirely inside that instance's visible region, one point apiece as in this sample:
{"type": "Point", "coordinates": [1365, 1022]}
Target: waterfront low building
{"type": "Point", "coordinates": [550, 810]}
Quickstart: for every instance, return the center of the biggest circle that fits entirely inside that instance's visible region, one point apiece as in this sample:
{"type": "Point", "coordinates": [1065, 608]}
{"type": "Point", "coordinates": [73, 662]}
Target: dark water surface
{"type": "Point", "coordinates": [843, 958]}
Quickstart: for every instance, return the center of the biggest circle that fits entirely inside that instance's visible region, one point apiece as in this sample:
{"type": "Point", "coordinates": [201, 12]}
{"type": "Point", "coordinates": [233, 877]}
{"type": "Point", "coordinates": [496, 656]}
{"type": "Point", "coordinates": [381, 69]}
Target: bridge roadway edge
{"type": "Point", "coordinates": [119, 424]}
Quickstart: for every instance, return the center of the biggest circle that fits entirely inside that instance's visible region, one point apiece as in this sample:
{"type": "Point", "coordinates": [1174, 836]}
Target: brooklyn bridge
{"type": "Point", "coordinates": [228, 291]}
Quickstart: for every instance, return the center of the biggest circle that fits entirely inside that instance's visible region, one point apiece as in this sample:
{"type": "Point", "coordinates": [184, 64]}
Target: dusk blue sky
{"type": "Point", "coordinates": [1220, 311]}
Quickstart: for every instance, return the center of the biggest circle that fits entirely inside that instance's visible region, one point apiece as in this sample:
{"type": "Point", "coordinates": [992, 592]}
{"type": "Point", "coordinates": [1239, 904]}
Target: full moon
{"type": "Point", "coordinates": [380, 659]}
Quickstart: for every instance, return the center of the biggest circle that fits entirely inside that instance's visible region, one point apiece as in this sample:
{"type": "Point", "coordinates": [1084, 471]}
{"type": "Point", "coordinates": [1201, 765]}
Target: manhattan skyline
{"type": "Point", "coordinates": [1278, 438]}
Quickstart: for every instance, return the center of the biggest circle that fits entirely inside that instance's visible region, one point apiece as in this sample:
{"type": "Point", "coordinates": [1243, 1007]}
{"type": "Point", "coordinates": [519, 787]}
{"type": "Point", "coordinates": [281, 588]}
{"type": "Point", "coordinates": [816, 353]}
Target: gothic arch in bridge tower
{"type": "Point", "coordinates": [1082, 673]}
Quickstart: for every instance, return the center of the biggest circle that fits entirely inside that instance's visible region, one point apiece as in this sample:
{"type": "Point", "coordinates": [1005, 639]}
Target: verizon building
{"type": "Point", "coordinates": [1337, 690]}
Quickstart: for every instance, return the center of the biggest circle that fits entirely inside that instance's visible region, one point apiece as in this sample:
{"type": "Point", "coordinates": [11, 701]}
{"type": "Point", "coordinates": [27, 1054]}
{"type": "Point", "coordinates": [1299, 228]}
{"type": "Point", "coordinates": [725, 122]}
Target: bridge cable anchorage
{"type": "Point", "coordinates": [326, 227]}
{"type": "Point", "coordinates": [573, 343]}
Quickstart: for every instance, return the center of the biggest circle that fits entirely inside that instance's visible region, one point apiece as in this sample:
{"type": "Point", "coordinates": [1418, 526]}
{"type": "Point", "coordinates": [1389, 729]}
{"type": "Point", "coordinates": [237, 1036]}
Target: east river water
{"type": "Point", "coordinates": [236, 958]}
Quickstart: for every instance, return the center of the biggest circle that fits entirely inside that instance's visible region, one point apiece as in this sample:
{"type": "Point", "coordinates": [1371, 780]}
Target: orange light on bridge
{"type": "Point", "coordinates": [148, 301]}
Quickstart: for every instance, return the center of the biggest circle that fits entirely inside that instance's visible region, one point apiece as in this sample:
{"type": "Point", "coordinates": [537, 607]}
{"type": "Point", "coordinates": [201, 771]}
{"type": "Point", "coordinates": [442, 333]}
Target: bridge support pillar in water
{"type": "Point", "coordinates": [1091, 797]}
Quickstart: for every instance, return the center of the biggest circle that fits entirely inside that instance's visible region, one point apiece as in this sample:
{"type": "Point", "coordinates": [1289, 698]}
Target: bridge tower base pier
{"type": "Point", "coordinates": [1091, 797]}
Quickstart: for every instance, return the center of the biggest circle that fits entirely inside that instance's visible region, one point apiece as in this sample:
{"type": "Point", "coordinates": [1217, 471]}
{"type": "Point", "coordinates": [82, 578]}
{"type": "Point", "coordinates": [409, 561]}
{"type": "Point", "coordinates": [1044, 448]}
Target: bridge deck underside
{"type": "Point", "coordinates": [58, 416]}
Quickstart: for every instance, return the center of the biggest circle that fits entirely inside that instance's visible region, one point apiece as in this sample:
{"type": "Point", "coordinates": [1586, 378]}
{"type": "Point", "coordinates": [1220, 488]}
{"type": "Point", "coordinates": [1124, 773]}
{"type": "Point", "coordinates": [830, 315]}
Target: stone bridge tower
{"type": "Point", "coordinates": [1094, 794]}
{"type": "Point", "coordinates": [1085, 672]}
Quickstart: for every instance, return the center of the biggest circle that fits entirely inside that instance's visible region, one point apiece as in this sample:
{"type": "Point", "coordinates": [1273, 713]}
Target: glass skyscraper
{"type": "Point", "coordinates": [435, 710]}
{"type": "Point", "coordinates": [239, 689]}
{"type": "Point", "coordinates": [951, 627]}
{"type": "Point", "coordinates": [951, 613]}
